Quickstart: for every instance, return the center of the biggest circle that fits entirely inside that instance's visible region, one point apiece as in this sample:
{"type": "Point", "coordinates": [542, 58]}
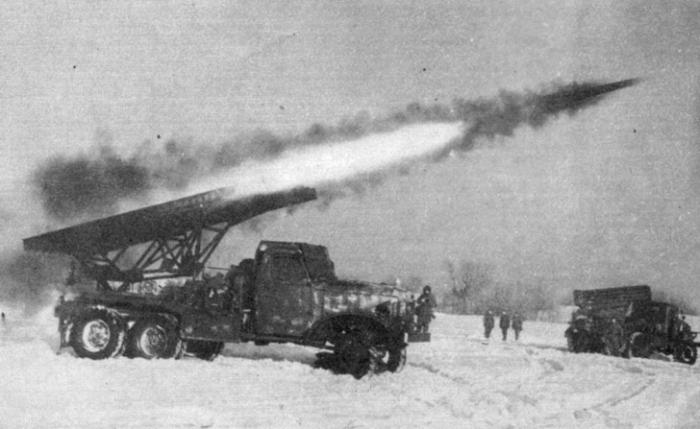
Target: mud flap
{"type": "Point", "coordinates": [64, 329]}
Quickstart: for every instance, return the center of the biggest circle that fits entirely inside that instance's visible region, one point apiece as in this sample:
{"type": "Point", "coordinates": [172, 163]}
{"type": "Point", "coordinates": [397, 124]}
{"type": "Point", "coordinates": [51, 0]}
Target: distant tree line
{"type": "Point", "coordinates": [473, 291]}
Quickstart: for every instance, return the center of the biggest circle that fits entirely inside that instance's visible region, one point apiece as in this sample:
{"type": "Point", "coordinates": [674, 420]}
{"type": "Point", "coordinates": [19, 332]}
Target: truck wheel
{"type": "Point", "coordinates": [98, 334]}
{"type": "Point", "coordinates": [205, 350]}
{"type": "Point", "coordinates": [579, 342]}
{"type": "Point", "coordinates": [639, 345]}
{"type": "Point", "coordinates": [155, 338]}
{"type": "Point", "coordinates": [383, 358]}
{"type": "Point", "coordinates": [353, 355]}
{"type": "Point", "coordinates": [397, 360]}
{"type": "Point", "coordinates": [686, 353]}
{"type": "Point", "coordinates": [569, 334]}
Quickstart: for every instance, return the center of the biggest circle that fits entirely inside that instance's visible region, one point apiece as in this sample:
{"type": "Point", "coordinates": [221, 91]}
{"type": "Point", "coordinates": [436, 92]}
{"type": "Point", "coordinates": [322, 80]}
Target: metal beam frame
{"type": "Point", "coordinates": [179, 255]}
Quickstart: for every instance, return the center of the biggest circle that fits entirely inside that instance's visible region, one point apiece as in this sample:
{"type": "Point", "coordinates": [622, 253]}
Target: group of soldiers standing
{"type": "Point", "coordinates": [505, 321]}
{"type": "Point", "coordinates": [424, 305]}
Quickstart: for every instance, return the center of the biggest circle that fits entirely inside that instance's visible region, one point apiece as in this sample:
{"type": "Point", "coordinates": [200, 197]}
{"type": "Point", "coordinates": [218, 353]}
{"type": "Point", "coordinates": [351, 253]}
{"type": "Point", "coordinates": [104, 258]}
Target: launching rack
{"type": "Point", "coordinates": [168, 240]}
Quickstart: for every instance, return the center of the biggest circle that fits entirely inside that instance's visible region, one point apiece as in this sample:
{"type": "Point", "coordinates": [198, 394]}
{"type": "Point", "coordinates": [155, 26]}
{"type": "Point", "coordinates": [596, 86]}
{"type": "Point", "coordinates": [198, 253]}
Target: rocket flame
{"type": "Point", "coordinates": [329, 164]}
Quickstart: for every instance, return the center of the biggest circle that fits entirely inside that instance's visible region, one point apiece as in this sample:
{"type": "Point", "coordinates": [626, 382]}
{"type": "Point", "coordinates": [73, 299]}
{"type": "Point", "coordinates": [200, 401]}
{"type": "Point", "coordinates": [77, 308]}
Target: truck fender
{"type": "Point", "coordinates": [331, 326]}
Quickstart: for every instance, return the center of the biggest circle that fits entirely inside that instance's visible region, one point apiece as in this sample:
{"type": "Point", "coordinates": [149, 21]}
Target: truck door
{"type": "Point", "coordinates": [217, 314]}
{"type": "Point", "coordinates": [283, 295]}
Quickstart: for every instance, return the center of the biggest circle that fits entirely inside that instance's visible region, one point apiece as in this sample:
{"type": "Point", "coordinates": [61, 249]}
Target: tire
{"type": "Point", "coordinates": [569, 334]}
{"type": "Point", "coordinates": [580, 342]}
{"type": "Point", "coordinates": [397, 360]}
{"type": "Point", "coordinates": [354, 355]}
{"type": "Point", "coordinates": [205, 350]}
{"type": "Point", "coordinates": [686, 353]}
{"type": "Point", "coordinates": [640, 345]}
{"type": "Point", "coordinates": [155, 338]}
{"type": "Point", "coordinates": [98, 334]}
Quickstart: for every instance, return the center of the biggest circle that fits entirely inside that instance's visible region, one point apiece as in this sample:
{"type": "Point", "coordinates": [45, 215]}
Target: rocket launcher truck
{"type": "Point", "coordinates": [625, 321]}
{"type": "Point", "coordinates": [154, 298]}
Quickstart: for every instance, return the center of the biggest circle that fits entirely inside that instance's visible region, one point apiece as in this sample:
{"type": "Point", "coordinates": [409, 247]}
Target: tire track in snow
{"type": "Point", "coordinates": [508, 401]}
{"type": "Point", "coordinates": [431, 369]}
{"type": "Point", "coordinates": [601, 408]}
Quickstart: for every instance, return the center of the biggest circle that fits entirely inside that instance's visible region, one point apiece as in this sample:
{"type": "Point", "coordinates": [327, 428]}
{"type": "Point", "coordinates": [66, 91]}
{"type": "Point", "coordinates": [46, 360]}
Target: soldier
{"type": "Point", "coordinates": [614, 339]}
{"type": "Point", "coordinates": [504, 324]}
{"type": "Point", "coordinates": [685, 330]}
{"type": "Point", "coordinates": [424, 310]}
{"type": "Point", "coordinates": [488, 323]}
{"type": "Point", "coordinates": [517, 324]}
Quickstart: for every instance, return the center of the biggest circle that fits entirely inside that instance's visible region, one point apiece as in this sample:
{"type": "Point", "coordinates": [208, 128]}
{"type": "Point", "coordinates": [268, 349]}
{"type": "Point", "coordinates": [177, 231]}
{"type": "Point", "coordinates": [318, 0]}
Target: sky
{"type": "Point", "coordinates": [604, 198]}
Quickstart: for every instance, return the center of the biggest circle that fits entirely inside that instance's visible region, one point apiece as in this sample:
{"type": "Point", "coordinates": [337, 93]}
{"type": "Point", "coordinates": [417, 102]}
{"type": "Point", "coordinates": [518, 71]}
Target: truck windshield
{"type": "Point", "coordinates": [288, 268]}
{"type": "Point", "coordinates": [320, 269]}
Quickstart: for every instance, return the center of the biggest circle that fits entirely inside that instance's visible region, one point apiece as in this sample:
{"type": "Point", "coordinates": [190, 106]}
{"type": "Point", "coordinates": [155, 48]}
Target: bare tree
{"type": "Point", "coordinates": [468, 283]}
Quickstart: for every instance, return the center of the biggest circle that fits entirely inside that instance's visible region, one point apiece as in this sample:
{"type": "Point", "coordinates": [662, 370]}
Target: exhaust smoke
{"type": "Point", "coordinates": [354, 154]}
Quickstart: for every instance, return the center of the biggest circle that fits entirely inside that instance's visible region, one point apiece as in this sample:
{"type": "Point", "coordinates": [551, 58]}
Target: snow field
{"type": "Point", "coordinates": [457, 380]}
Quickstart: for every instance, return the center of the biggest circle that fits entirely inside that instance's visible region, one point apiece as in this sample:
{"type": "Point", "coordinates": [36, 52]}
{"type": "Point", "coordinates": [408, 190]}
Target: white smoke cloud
{"type": "Point", "coordinates": [333, 163]}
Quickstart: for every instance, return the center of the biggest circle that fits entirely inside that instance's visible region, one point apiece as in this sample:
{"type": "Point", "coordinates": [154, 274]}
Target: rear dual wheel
{"type": "Point", "coordinates": [155, 338]}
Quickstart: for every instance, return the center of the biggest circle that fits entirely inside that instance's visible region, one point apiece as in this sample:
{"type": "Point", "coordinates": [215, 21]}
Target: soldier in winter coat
{"type": "Point", "coordinates": [504, 324]}
{"type": "Point", "coordinates": [517, 324]}
{"type": "Point", "coordinates": [614, 338]}
{"type": "Point", "coordinates": [424, 309]}
{"type": "Point", "coordinates": [488, 323]}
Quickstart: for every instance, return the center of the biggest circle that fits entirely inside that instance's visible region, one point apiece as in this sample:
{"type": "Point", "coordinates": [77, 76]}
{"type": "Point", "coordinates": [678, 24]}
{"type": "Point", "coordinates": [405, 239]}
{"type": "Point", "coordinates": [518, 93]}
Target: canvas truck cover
{"type": "Point", "coordinates": [163, 220]}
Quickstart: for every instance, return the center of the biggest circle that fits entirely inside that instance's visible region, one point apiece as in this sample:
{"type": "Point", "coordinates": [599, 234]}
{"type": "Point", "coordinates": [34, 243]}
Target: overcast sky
{"type": "Point", "coordinates": [605, 198]}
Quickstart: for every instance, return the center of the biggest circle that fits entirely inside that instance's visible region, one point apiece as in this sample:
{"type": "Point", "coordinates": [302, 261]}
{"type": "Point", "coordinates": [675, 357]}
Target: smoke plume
{"type": "Point", "coordinates": [93, 184]}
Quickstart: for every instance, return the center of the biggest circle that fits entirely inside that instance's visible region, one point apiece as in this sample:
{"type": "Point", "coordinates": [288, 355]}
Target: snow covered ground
{"type": "Point", "coordinates": [456, 381]}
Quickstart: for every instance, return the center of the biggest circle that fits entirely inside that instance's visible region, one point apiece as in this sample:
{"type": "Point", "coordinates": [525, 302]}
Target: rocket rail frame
{"type": "Point", "coordinates": [172, 239]}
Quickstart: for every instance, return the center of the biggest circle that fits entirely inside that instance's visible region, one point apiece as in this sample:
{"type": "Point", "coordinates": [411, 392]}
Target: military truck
{"type": "Point", "coordinates": [625, 321]}
{"type": "Point", "coordinates": [154, 298]}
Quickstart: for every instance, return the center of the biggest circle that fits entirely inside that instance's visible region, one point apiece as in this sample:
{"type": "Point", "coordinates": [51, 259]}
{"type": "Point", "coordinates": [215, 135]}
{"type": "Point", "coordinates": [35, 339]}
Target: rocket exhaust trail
{"type": "Point", "coordinates": [355, 152]}
{"type": "Point", "coordinates": [345, 162]}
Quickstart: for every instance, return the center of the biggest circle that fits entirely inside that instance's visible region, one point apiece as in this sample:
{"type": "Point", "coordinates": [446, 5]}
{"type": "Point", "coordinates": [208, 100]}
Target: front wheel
{"type": "Point", "coordinates": [640, 345]}
{"type": "Point", "coordinates": [354, 355]}
{"type": "Point", "coordinates": [155, 338]}
{"type": "Point", "coordinates": [98, 334]}
{"type": "Point", "coordinates": [397, 360]}
{"type": "Point", "coordinates": [686, 353]}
